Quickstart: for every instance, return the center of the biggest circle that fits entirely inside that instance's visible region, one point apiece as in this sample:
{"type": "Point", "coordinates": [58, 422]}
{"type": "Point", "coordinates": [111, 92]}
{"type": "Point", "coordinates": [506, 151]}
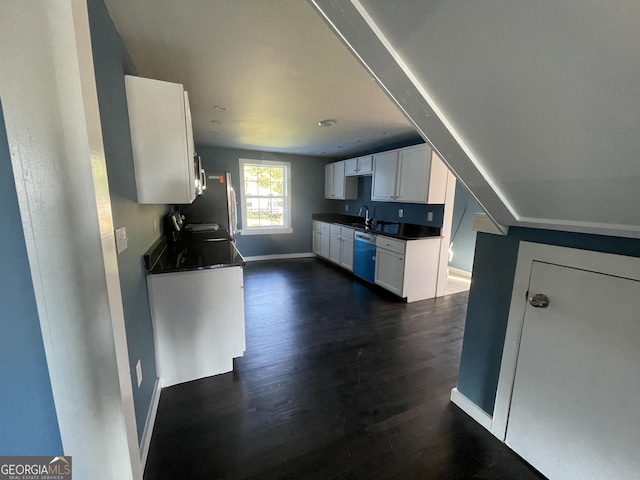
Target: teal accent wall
{"type": "Point", "coordinates": [463, 236]}
{"type": "Point", "coordinates": [490, 296]}
{"type": "Point", "coordinates": [111, 63]}
{"type": "Point", "coordinates": [27, 412]}
{"type": "Point", "coordinates": [389, 211]}
{"type": "Point", "coordinates": [307, 186]}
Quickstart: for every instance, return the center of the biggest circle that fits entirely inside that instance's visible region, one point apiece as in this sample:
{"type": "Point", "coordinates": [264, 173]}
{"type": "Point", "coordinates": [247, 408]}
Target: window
{"type": "Point", "coordinates": [265, 190]}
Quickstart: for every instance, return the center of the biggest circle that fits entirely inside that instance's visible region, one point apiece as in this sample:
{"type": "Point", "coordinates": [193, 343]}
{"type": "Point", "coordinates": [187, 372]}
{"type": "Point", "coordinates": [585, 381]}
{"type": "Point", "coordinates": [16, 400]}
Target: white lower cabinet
{"type": "Point", "coordinates": [409, 268]}
{"type": "Point", "coordinates": [389, 270]}
{"type": "Point", "coordinates": [346, 249]}
{"type": "Point", "coordinates": [341, 246]}
{"type": "Point", "coordinates": [321, 238]}
{"type": "Point", "coordinates": [335, 247]}
{"type": "Point", "coordinates": [317, 241]}
{"type": "Point", "coordinates": [334, 242]}
{"type": "Point", "coordinates": [198, 322]}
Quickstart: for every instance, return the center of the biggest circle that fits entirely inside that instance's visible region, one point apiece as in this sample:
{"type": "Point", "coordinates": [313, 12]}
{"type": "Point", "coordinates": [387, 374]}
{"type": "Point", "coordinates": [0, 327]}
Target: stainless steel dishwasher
{"type": "Point", "coordinates": [364, 256]}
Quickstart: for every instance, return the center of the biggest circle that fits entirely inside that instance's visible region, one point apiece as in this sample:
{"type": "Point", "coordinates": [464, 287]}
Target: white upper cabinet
{"type": "Point", "coordinates": [409, 175]}
{"type": "Point", "coordinates": [359, 166]}
{"type": "Point", "coordinates": [351, 167]}
{"type": "Point", "coordinates": [162, 141]}
{"type": "Point", "coordinates": [413, 174]}
{"type": "Point", "coordinates": [383, 186]}
{"type": "Point", "coordinates": [336, 185]}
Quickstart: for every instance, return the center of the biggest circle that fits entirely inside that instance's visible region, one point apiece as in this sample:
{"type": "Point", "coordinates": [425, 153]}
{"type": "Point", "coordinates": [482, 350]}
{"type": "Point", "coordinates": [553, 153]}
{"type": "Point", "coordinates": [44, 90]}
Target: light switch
{"type": "Point", "coordinates": [121, 239]}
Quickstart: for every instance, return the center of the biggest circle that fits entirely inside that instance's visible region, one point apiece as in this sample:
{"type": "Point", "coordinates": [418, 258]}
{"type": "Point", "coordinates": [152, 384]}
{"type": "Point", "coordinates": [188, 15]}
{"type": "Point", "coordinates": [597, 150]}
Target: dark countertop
{"type": "Point", "coordinates": [195, 251]}
{"type": "Point", "coordinates": [403, 231]}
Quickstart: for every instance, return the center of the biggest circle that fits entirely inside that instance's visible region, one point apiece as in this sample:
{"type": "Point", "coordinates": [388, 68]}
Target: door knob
{"type": "Point", "coordinates": [539, 300]}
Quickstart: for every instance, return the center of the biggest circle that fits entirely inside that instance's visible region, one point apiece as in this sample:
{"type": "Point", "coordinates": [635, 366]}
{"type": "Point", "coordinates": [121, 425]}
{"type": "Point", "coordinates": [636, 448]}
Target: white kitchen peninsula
{"type": "Point", "coordinates": [196, 295]}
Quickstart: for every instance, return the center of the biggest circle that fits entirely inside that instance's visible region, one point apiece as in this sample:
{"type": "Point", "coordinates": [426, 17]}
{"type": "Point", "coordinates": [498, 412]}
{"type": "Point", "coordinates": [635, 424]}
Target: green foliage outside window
{"type": "Point", "coordinates": [265, 191]}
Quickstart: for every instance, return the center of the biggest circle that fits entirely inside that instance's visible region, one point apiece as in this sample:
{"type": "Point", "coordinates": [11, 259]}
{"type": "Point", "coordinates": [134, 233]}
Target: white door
{"type": "Point", "coordinates": [574, 411]}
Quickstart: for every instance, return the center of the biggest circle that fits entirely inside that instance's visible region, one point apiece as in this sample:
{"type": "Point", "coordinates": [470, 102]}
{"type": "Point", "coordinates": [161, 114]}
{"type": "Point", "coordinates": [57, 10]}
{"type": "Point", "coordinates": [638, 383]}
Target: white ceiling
{"type": "Point", "coordinates": [274, 64]}
{"type": "Point", "coordinates": [534, 104]}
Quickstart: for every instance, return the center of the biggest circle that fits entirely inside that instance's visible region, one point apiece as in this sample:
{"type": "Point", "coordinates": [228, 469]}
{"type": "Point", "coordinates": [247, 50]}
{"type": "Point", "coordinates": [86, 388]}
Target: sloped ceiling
{"type": "Point", "coordinates": [535, 105]}
{"type": "Point", "coordinates": [273, 64]}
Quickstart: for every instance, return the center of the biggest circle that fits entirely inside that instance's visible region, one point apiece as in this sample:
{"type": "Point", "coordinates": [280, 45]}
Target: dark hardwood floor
{"type": "Point", "coordinates": [339, 381]}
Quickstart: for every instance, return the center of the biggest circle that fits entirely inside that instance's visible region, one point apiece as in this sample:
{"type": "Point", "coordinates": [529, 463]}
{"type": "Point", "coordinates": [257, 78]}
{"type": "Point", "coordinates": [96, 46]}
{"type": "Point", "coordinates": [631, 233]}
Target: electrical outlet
{"type": "Point", "coordinates": [139, 373]}
{"type": "Point", "coordinates": [121, 239]}
{"type": "Point", "coordinates": [401, 212]}
{"type": "Point", "coordinates": [429, 216]}
{"type": "Point", "coordinates": [155, 225]}
{"type": "Point", "coordinates": [346, 207]}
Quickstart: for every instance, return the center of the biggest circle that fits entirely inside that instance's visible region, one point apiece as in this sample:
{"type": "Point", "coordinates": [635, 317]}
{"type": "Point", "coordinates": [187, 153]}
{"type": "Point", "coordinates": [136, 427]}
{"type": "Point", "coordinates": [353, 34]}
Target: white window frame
{"type": "Point", "coordinates": [266, 230]}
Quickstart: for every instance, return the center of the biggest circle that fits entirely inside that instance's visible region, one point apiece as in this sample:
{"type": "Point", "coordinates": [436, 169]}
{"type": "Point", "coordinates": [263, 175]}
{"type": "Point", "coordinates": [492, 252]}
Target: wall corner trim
{"type": "Point", "coordinates": [145, 443]}
{"type": "Point", "coordinates": [471, 409]}
{"type": "Point", "coordinates": [483, 223]}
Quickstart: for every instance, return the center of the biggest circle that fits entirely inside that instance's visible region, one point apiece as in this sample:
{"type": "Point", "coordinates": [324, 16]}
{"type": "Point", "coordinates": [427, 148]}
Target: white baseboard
{"type": "Point", "coordinates": [282, 256]}
{"type": "Point", "coordinates": [145, 443]}
{"type": "Point", "coordinates": [458, 272]}
{"type": "Point", "coordinates": [471, 409]}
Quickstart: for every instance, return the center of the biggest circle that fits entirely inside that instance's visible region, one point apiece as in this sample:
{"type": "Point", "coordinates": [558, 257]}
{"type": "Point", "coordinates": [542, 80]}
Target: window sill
{"type": "Point", "coordinates": [266, 231]}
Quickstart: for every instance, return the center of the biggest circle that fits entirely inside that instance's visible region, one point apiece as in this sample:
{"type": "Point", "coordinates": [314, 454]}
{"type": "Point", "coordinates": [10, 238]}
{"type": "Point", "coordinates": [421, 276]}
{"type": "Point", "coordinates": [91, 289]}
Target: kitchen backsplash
{"type": "Point", "coordinates": [389, 211]}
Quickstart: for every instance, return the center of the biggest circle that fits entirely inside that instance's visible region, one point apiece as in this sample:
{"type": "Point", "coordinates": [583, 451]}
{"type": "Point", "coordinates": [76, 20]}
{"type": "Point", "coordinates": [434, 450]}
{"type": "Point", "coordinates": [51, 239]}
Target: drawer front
{"type": "Point", "coordinates": [324, 227]}
{"type": "Point", "coordinates": [336, 230]}
{"type": "Point", "coordinates": [347, 233]}
{"type": "Point", "coordinates": [392, 244]}
{"type": "Point", "coordinates": [317, 225]}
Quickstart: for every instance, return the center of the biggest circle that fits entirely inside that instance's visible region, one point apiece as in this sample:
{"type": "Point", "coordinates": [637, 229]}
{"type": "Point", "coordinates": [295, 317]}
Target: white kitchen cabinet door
{"type": "Point", "coordinates": [351, 166]}
{"type": "Point", "coordinates": [339, 181]}
{"type": "Point", "coordinates": [317, 241]}
{"type": "Point", "coordinates": [335, 248]}
{"type": "Point", "coordinates": [389, 273]}
{"type": "Point", "coordinates": [328, 181]}
{"type": "Point", "coordinates": [336, 185]}
{"type": "Point", "coordinates": [413, 174]}
{"type": "Point", "coordinates": [324, 245]}
{"type": "Point", "coordinates": [438, 180]}
{"type": "Point", "coordinates": [574, 407]}
{"type": "Point", "coordinates": [365, 165]}
{"type": "Point", "coordinates": [346, 248]}
{"type": "Point", "coordinates": [383, 184]}
{"type": "Point", "coordinates": [359, 166]}
{"type": "Point", "coordinates": [346, 256]}
{"type": "Point", "coordinates": [162, 141]}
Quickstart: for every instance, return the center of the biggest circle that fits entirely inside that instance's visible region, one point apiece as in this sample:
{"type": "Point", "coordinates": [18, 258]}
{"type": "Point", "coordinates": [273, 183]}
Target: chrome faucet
{"type": "Point", "coordinates": [366, 216]}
